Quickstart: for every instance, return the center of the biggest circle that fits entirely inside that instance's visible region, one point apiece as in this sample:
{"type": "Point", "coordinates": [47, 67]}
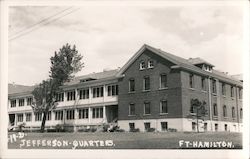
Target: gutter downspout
{"type": "Point", "coordinates": [210, 102]}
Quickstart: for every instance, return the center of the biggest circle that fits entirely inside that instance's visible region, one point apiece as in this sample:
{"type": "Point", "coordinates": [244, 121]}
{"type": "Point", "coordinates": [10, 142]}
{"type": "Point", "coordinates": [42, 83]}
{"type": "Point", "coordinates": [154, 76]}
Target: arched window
{"type": "Point", "coordinates": [233, 112]}
{"type": "Point", "coordinates": [224, 111]}
{"type": "Point", "coordinates": [215, 110]}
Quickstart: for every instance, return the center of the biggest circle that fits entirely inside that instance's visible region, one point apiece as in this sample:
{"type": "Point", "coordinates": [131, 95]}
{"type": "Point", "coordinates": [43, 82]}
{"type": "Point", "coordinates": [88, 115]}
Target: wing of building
{"type": "Point", "coordinates": [154, 89]}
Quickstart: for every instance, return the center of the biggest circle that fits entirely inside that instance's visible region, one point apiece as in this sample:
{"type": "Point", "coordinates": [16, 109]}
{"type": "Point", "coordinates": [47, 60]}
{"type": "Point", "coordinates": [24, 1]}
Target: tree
{"type": "Point", "coordinates": [64, 64]}
{"type": "Point", "coordinates": [198, 111]}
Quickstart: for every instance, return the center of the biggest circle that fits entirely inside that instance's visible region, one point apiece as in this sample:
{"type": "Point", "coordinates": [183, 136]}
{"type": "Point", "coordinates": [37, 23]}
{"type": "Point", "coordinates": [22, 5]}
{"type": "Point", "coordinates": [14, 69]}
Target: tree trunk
{"type": "Point", "coordinates": [44, 120]}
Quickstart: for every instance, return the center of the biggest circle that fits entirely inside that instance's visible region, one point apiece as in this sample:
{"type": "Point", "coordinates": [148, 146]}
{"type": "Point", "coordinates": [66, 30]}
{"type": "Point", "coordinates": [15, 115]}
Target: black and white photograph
{"type": "Point", "coordinates": [120, 75]}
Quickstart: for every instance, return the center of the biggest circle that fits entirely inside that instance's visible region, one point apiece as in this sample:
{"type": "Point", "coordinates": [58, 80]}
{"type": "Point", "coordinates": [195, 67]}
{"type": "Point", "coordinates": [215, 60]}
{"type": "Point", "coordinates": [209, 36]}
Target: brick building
{"type": "Point", "coordinates": [154, 89]}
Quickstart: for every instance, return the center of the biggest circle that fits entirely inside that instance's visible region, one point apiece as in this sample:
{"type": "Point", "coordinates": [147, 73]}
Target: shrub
{"type": "Point", "coordinates": [105, 127]}
{"type": "Point", "coordinates": [135, 130]}
{"type": "Point", "coordinates": [52, 130]}
{"type": "Point", "coordinates": [21, 126]}
{"type": "Point", "coordinates": [172, 130]}
{"type": "Point", "coordinates": [59, 128]}
{"type": "Point", "coordinates": [93, 129]}
{"type": "Point", "coordinates": [151, 130]}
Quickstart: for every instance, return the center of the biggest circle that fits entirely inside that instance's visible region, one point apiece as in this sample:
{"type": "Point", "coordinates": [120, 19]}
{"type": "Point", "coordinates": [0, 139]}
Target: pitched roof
{"type": "Point", "coordinates": [15, 88]}
{"type": "Point", "coordinates": [180, 63]}
{"type": "Point", "coordinates": [94, 76]}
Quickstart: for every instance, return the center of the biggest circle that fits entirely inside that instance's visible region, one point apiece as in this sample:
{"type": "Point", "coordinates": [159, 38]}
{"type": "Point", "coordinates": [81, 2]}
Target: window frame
{"type": "Point", "coordinates": [191, 80]}
{"type": "Point", "coordinates": [129, 113]}
{"type": "Point", "coordinates": [150, 63]}
{"type": "Point", "coordinates": [215, 111]}
{"type": "Point", "coordinates": [21, 102]}
{"type": "Point", "coordinates": [83, 113]}
{"type": "Point", "coordinates": [146, 80]}
{"type": "Point", "coordinates": [165, 82]}
{"type": "Point", "coordinates": [131, 85]}
{"type": "Point", "coordinates": [149, 106]}
{"type": "Point", "coordinates": [19, 117]}
{"type": "Point", "coordinates": [161, 106]}
{"type": "Point", "coordinates": [71, 95]}
{"type": "Point", "coordinates": [224, 109]}
{"type": "Point", "coordinates": [13, 103]}
{"type": "Point", "coordinates": [142, 65]}
{"type": "Point", "coordinates": [214, 87]}
{"type": "Point", "coordinates": [28, 116]}
{"type": "Point", "coordinates": [203, 84]}
{"type": "Point", "coordinates": [233, 113]}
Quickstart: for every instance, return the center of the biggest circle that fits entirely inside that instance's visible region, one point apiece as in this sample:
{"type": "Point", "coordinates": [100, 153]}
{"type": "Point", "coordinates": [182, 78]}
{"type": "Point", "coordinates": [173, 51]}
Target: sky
{"type": "Point", "coordinates": [107, 36]}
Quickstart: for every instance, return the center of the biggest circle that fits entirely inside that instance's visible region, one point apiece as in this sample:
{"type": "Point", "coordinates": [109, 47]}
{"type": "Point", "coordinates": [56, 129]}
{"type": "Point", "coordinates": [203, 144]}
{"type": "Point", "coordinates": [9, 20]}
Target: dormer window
{"type": "Point", "coordinates": [150, 64]}
{"type": "Point", "coordinates": [142, 65]}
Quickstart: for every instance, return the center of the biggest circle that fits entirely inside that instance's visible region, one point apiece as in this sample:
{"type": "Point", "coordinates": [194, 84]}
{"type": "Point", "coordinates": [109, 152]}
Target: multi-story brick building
{"type": "Point", "coordinates": [155, 91]}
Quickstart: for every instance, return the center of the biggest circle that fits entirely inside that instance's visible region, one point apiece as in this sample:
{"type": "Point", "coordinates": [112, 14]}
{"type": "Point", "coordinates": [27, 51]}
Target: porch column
{"type": "Point", "coordinates": [24, 117]}
{"type": "Point", "coordinates": [90, 95]}
{"type": "Point", "coordinates": [76, 119]}
{"type": "Point", "coordinates": [53, 115]}
{"type": "Point", "coordinates": [104, 93]}
{"type": "Point", "coordinates": [90, 115]}
{"type": "Point", "coordinates": [15, 123]}
{"type": "Point", "coordinates": [104, 114]}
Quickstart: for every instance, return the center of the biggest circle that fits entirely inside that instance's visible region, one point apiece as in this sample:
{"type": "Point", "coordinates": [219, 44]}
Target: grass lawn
{"type": "Point", "coordinates": [121, 140]}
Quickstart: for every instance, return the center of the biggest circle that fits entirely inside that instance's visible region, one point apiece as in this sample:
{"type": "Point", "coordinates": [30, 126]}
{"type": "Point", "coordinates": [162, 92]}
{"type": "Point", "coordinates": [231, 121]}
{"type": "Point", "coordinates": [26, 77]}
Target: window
{"type": "Point", "coordinates": [215, 110]}
{"type": "Point", "coordinates": [240, 93]}
{"type": "Point", "coordinates": [146, 108]}
{"type": "Point", "coordinates": [38, 116]}
{"type": "Point", "coordinates": [214, 86]}
{"type": "Point", "coordinates": [84, 93]}
{"type": "Point", "coordinates": [131, 126]}
{"type": "Point", "coordinates": [97, 113]}
{"type": "Point", "coordinates": [216, 127]}
{"type": "Point", "coordinates": [233, 112]}
{"type": "Point", "coordinates": [232, 91]}
{"type": "Point", "coordinates": [191, 81]}
{"type": "Point", "coordinates": [241, 113]}
{"type": "Point", "coordinates": [223, 89]}
{"type": "Point", "coordinates": [19, 117]}
{"type": "Point", "coordinates": [29, 100]}
{"type": "Point", "coordinates": [225, 127]}
{"type": "Point", "coordinates": [48, 116]}
{"type": "Point", "coordinates": [147, 126]}
{"type": "Point", "coordinates": [13, 103]}
{"type": "Point", "coordinates": [131, 109]}
{"type": "Point", "coordinates": [224, 111]}
{"type": "Point", "coordinates": [71, 95]}
{"type": "Point", "coordinates": [28, 117]}
{"type": "Point", "coordinates": [163, 81]}
{"type": "Point", "coordinates": [146, 83]}
{"type": "Point", "coordinates": [60, 97]}
{"type": "Point", "coordinates": [113, 90]}
{"type": "Point", "coordinates": [59, 115]}
{"type": "Point", "coordinates": [150, 64]}
{"type": "Point", "coordinates": [192, 108]}
{"type": "Point", "coordinates": [131, 85]}
{"type": "Point", "coordinates": [142, 65]}
{"type": "Point", "coordinates": [163, 107]}
{"type": "Point", "coordinates": [70, 114]}
{"type": "Point", "coordinates": [21, 102]}
{"type": "Point", "coordinates": [205, 126]}
{"type": "Point", "coordinates": [98, 92]}
{"type": "Point", "coordinates": [164, 126]}
{"type": "Point", "coordinates": [193, 126]}
{"type": "Point", "coordinates": [83, 113]}
{"type": "Point", "coordinates": [203, 85]}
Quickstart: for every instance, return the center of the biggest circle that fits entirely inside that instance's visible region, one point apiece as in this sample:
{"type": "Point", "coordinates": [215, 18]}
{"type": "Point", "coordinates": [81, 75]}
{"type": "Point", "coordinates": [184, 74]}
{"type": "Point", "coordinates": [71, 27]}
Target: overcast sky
{"type": "Point", "coordinates": [108, 36]}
